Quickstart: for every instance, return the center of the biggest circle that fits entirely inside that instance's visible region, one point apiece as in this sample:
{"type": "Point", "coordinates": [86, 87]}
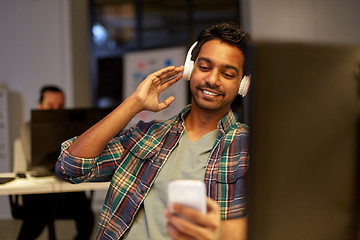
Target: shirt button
{"type": "Point", "coordinates": [232, 177]}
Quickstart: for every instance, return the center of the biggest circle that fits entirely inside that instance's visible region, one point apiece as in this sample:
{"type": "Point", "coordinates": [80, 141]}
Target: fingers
{"type": "Point", "coordinates": [187, 223]}
{"type": "Point", "coordinates": [169, 76]}
{"type": "Point", "coordinates": [197, 217]}
{"type": "Point", "coordinates": [166, 103]}
{"type": "Point", "coordinates": [168, 82]}
{"type": "Point", "coordinates": [180, 228]}
{"type": "Point", "coordinates": [212, 206]}
{"type": "Point", "coordinates": [168, 72]}
{"type": "Point", "coordinates": [148, 91]}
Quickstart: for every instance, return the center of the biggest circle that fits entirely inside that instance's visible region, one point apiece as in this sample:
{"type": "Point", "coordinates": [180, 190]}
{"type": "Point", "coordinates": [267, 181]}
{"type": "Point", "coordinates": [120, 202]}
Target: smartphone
{"type": "Point", "coordinates": [190, 193]}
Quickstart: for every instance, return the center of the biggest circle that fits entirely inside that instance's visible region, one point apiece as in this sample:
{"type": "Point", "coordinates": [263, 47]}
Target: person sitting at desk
{"type": "Point", "coordinates": [41, 209]}
{"type": "Point", "coordinates": [204, 142]}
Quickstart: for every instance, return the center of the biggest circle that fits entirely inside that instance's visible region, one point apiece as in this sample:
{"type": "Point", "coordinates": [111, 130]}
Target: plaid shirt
{"type": "Point", "coordinates": [133, 160]}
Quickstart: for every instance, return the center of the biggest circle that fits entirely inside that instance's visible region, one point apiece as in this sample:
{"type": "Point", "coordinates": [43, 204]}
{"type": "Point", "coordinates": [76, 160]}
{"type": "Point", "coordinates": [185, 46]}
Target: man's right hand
{"type": "Point", "coordinates": [147, 93]}
{"type": "Point", "coordinates": [93, 141]}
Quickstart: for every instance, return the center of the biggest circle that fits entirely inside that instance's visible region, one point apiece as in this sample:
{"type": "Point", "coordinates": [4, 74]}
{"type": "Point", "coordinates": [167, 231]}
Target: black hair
{"type": "Point", "coordinates": [50, 88]}
{"type": "Point", "coordinates": [229, 33]}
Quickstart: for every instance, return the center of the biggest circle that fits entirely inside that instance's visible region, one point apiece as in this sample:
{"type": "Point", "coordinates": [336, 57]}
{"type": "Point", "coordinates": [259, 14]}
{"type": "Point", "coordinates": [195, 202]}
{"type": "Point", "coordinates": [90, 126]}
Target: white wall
{"type": "Point", "coordinates": [42, 42]}
{"type": "Point", "coordinates": [33, 47]}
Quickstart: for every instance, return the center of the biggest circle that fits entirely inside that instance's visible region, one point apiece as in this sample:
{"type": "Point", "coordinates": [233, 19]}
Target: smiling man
{"type": "Point", "coordinates": [202, 142]}
{"type": "Point", "coordinates": [216, 77]}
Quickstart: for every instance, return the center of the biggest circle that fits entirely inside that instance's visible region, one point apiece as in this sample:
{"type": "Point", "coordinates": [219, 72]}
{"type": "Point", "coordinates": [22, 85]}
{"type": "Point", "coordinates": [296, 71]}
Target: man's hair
{"type": "Point", "coordinates": [226, 32]}
{"type": "Point", "coordinates": [50, 88]}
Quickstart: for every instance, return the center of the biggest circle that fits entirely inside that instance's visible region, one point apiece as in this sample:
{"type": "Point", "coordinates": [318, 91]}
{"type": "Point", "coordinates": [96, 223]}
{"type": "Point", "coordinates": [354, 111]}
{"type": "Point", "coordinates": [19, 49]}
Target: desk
{"type": "Point", "coordinates": [50, 184]}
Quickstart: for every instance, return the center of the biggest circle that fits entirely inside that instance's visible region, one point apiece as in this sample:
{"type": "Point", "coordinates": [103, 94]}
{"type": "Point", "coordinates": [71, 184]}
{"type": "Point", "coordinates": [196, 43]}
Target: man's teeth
{"type": "Point", "coordinates": [210, 93]}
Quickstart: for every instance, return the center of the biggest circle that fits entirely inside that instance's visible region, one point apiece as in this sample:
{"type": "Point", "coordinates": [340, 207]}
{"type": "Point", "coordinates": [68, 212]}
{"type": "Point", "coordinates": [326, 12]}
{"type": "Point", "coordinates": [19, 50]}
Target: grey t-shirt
{"type": "Point", "coordinates": [187, 161]}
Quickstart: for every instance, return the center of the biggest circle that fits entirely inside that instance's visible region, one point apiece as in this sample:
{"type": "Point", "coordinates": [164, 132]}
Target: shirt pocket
{"type": "Point", "coordinates": [139, 148]}
{"type": "Point", "coordinates": [231, 171]}
{"type": "Point", "coordinates": [229, 189]}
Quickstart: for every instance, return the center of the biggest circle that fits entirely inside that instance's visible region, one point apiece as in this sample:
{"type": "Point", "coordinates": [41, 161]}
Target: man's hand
{"type": "Point", "coordinates": [93, 141]}
{"type": "Point", "coordinates": [187, 223]}
{"type": "Point", "coordinates": [148, 91]}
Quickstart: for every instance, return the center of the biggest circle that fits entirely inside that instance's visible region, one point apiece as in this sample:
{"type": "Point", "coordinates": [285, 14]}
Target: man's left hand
{"type": "Point", "coordinates": [187, 223]}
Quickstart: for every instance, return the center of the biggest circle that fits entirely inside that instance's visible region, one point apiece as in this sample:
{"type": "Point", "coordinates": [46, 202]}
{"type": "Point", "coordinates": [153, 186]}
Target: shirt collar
{"type": "Point", "coordinates": [224, 125]}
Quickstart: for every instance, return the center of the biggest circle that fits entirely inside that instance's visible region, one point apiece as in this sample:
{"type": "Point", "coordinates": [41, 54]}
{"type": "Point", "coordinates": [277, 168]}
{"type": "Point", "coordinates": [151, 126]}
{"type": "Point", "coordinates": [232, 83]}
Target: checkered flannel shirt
{"type": "Point", "coordinates": [133, 160]}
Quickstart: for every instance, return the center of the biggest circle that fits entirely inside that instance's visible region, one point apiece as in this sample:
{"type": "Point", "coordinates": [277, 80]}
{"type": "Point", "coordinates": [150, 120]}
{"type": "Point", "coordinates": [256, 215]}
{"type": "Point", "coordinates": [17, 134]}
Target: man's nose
{"type": "Point", "coordinates": [212, 78]}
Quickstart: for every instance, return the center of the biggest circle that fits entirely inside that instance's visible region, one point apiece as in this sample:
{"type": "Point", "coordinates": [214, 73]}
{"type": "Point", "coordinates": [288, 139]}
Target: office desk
{"type": "Point", "coordinates": [50, 184]}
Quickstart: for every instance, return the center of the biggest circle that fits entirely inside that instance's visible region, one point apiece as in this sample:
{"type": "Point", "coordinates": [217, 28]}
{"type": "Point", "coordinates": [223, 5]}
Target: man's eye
{"type": "Point", "coordinates": [204, 68]}
{"type": "Point", "coordinates": [227, 75]}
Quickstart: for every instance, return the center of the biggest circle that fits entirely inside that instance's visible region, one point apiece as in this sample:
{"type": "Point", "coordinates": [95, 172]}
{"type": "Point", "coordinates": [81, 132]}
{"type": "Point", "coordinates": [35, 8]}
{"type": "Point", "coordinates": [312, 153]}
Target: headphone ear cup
{"type": "Point", "coordinates": [188, 67]}
{"type": "Point", "coordinates": [244, 85]}
{"type": "Point", "coordinates": [189, 64]}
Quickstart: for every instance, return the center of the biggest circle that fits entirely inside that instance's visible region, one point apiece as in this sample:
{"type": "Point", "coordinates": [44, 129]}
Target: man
{"type": "Point", "coordinates": [51, 97]}
{"type": "Point", "coordinates": [40, 209]}
{"type": "Point", "coordinates": [203, 142]}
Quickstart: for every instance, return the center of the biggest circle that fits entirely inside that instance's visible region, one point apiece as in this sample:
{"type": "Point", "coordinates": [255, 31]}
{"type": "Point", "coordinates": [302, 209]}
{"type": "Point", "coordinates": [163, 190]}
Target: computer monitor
{"type": "Point", "coordinates": [49, 128]}
{"type": "Point", "coordinates": [304, 147]}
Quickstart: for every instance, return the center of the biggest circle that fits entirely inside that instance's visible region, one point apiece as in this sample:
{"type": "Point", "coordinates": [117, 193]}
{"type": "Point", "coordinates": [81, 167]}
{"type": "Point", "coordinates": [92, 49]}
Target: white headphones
{"type": "Point", "coordinates": [189, 65]}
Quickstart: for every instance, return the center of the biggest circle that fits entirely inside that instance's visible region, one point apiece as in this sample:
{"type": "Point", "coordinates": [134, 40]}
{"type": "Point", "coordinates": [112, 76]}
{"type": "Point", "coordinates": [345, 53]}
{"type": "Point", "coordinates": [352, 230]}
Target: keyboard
{"type": "Point", "coordinates": [4, 180]}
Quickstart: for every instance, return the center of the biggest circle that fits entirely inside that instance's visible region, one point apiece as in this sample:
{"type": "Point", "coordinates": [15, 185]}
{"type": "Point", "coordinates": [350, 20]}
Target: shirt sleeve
{"type": "Point", "coordinates": [98, 169]}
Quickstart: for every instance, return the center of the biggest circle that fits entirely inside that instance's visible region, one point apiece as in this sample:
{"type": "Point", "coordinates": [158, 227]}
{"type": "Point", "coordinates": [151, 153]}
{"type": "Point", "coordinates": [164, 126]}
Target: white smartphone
{"type": "Point", "coordinates": [190, 193]}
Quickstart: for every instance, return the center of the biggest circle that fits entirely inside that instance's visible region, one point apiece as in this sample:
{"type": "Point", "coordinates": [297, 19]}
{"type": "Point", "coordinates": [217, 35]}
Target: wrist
{"type": "Point", "coordinates": [133, 104]}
